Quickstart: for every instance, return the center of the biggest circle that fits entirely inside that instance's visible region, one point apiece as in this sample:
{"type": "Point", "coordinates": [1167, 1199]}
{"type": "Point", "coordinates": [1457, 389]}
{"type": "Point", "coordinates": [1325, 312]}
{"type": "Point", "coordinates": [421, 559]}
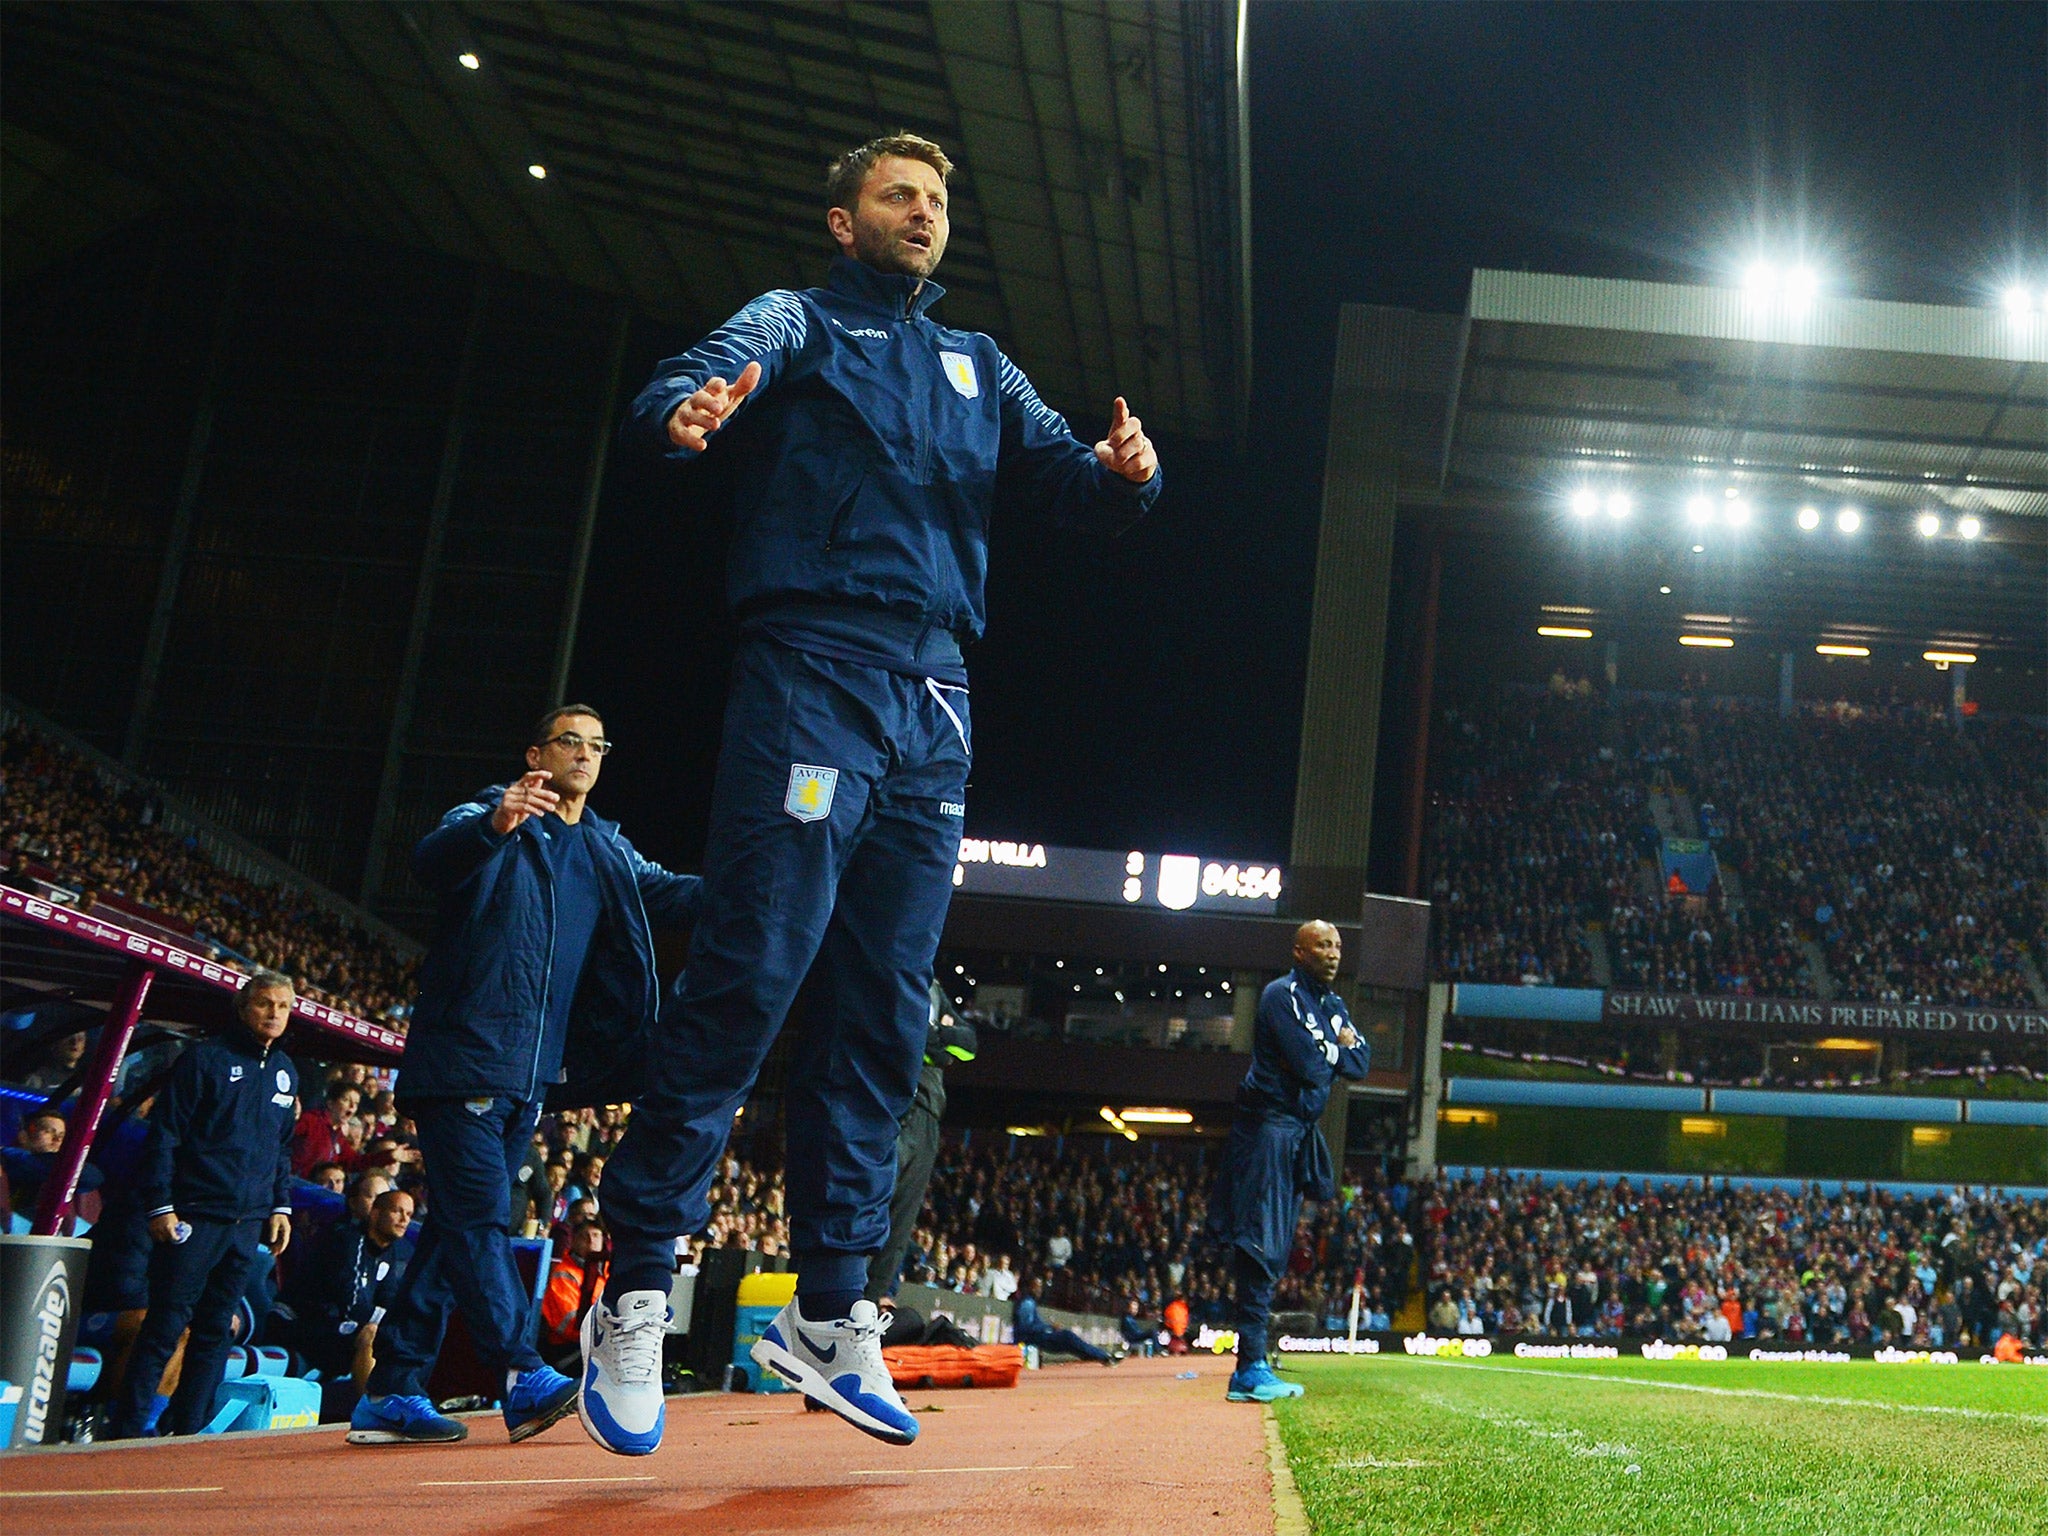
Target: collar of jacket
{"type": "Point", "coordinates": [1315, 987]}
{"type": "Point", "coordinates": [896, 292]}
{"type": "Point", "coordinates": [243, 1042]}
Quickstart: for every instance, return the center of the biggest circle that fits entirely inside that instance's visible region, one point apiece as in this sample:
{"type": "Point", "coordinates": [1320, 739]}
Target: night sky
{"type": "Point", "coordinates": [1146, 693]}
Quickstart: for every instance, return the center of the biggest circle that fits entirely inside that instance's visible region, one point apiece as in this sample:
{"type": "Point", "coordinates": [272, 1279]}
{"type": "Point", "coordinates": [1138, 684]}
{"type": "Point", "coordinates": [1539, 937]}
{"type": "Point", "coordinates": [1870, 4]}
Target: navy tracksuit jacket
{"type": "Point", "coordinates": [1276, 1153]}
{"type": "Point", "coordinates": [472, 1079]}
{"type": "Point", "coordinates": [865, 467]}
{"type": "Point", "coordinates": [219, 1153]}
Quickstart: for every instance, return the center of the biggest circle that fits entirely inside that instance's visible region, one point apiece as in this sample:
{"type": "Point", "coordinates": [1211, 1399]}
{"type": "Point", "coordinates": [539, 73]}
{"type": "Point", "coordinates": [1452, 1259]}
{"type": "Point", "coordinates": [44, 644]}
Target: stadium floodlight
{"type": "Point", "coordinates": [1928, 524]}
{"type": "Point", "coordinates": [537, 172]}
{"type": "Point", "coordinates": [1802, 284]}
{"type": "Point", "coordinates": [1950, 658]}
{"type": "Point", "coordinates": [2019, 301]}
{"type": "Point", "coordinates": [1707, 642]}
{"type": "Point", "coordinates": [1760, 279]}
{"type": "Point", "coordinates": [1620, 504]}
{"type": "Point", "coordinates": [1699, 549]}
{"type": "Point", "coordinates": [1969, 527]}
{"type": "Point", "coordinates": [1848, 519]}
{"type": "Point", "coordinates": [1563, 632]}
{"type": "Point", "coordinates": [1809, 519]}
{"type": "Point", "coordinates": [1664, 591]}
{"type": "Point", "coordinates": [1699, 509]}
{"type": "Point", "coordinates": [1584, 503]}
{"type": "Point", "coordinates": [1157, 1116]}
{"type": "Point", "coordinates": [1739, 513]}
{"type": "Point", "coordinates": [469, 61]}
{"type": "Point", "coordinates": [1829, 649]}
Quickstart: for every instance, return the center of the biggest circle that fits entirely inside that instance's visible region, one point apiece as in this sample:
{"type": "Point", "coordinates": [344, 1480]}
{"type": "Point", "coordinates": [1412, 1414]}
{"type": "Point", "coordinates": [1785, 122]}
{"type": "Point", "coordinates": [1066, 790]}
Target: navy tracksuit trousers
{"type": "Point", "coordinates": [473, 1149]}
{"type": "Point", "coordinates": [835, 830]}
{"type": "Point", "coordinates": [196, 1283]}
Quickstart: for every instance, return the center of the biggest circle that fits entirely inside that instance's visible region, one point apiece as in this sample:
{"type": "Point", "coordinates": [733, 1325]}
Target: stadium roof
{"type": "Point", "coordinates": [1551, 386]}
{"type": "Point", "coordinates": [1100, 212]}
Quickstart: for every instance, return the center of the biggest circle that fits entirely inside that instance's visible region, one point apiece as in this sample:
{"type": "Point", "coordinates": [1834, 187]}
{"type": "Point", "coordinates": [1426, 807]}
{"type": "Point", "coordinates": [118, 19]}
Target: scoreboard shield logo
{"type": "Point", "coordinates": [1180, 881]}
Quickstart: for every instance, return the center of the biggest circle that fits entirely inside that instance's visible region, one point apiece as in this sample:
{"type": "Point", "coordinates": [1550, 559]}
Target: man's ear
{"type": "Point", "coordinates": [840, 223]}
{"type": "Point", "coordinates": [532, 758]}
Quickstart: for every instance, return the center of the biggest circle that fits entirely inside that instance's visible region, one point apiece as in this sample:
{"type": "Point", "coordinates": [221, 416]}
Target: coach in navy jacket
{"type": "Point", "coordinates": [1303, 1042]}
{"type": "Point", "coordinates": [866, 445]}
{"type": "Point", "coordinates": [476, 1026]}
{"type": "Point", "coordinates": [215, 1181]}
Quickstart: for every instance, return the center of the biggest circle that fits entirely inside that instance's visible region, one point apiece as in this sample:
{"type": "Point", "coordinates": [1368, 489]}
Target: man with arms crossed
{"type": "Point", "coordinates": [868, 443]}
{"type": "Point", "coordinates": [541, 974]}
{"type": "Point", "coordinates": [1303, 1043]}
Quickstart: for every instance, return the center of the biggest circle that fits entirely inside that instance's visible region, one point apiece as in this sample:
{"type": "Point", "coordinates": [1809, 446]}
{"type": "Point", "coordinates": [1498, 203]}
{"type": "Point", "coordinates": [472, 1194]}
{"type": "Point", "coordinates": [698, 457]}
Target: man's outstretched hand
{"type": "Point", "coordinates": [529, 797]}
{"type": "Point", "coordinates": [1127, 450]}
{"type": "Point", "coordinates": [705, 411]}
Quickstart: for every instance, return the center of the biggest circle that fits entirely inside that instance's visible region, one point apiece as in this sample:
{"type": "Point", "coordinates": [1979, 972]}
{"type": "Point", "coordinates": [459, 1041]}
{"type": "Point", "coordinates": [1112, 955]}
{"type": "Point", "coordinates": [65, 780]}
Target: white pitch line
{"type": "Point", "coordinates": [524, 1482]}
{"type": "Point", "coordinates": [1780, 1397]}
{"type": "Point", "coordinates": [927, 1471]}
{"type": "Point", "coordinates": [96, 1493]}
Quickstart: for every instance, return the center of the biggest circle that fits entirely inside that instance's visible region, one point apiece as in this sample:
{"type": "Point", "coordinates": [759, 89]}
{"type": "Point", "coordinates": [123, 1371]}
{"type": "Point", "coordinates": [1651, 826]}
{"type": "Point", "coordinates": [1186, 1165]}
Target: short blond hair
{"type": "Point", "coordinates": [849, 173]}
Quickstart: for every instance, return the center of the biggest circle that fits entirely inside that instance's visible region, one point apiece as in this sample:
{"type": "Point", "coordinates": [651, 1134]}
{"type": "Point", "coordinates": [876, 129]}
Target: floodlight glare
{"type": "Point", "coordinates": [1950, 658]}
{"type": "Point", "coordinates": [1802, 284]}
{"type": "Point", "coordinates": [1700, 509]}
{"type": "Point", "coordinates": [1843, 650]}
{"type": "Point", "coordinates": [1739, 513]}
{"type": "Point", "coordinates": [2019, 302]}
{"type": "Point", "coordinates": [1620, 504]}
{"type": "Point", "coordinates": [1848, 519]}
{"type": "Point", "coordinates": [1928, 524]}
{"type": "Point", "coordinates": [1706, 642]}
{"type": "Point", "coordinates": [537, 172]}
{"type": "Point", "coordinates": [1584, 503]}
{"type": "Point", "coordinates": [469, 61]}
{"type": "Point", "coordinates": [1760, 280]}
{"type": "Point", "coordinates": [1809, 519]}
{"type": "Point", "coordinates": [1563, 632]}
{"type": "Point", "coordinates": [1969, 527]}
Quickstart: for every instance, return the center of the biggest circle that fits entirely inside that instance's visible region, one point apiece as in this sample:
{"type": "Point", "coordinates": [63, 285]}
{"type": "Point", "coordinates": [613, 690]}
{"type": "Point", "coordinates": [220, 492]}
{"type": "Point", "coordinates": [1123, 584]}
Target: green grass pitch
{"type": "Point", "coordinates": [1399, 1445]}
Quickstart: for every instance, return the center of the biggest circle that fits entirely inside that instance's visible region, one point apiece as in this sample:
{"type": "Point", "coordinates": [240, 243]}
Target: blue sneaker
{"type": "Point", "coordinates": [540, 1399]}
{"type": "Point", "coordinates": [1256, 1383]}
{"type": "Point", "coordinates": [401, 1420]}
{"type": "Point", "coordinates": [620, 1403]}
{"type": "Point", "coordinates": [838, 1365]}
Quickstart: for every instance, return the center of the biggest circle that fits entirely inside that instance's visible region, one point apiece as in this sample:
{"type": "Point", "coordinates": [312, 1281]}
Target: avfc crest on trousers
{"type": "Point", "coordinates": [810, 792]}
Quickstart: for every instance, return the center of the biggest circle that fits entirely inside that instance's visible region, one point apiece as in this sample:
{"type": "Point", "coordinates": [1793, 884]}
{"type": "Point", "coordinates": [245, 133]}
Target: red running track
{"type": "Point", "coordinates": [1074, 1450]}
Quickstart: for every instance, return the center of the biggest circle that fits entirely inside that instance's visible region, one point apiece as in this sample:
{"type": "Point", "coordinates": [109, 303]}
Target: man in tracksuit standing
{"type": "Point", "coordinates": [215, 1187]}
{"type": "Point", "coordinates": [539, 986]}
{"type": "Point", "coordinates": [867, 443]}
{"type": "Point", "coordinates": [1303, 1043]}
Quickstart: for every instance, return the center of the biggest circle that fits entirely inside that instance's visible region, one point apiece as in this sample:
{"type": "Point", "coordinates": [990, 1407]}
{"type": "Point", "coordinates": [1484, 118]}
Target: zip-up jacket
{"type": "Point", "coordinates": [1295, 1054]}
{"type": "Point", "coordinates": [220, 1135]}
{"type": "Point", "coordinates": [867, 462]}
{"type": "Point", "coordinates": [483, 996]}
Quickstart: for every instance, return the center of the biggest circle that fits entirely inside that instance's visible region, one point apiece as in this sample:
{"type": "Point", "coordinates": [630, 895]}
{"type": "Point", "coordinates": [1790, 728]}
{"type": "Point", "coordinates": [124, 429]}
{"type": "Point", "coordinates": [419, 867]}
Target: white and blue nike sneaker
{"type": "Point", "coordinates": [839, 1366]}
{"type": "Point", "coordinates": [620, 1403]}
{"type": "Point", "coordinates": [537, 1400]}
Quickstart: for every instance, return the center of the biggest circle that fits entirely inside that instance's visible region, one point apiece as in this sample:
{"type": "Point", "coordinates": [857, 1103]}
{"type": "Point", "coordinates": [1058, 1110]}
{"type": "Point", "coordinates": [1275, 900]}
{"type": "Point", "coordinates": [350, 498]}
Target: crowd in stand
{"type": "Point", "coordinates": [1698, 1263]}
{"type": "Point", "coordinates": [58, 813]}
{"type": "Point", "coordinates": [1907, 852]}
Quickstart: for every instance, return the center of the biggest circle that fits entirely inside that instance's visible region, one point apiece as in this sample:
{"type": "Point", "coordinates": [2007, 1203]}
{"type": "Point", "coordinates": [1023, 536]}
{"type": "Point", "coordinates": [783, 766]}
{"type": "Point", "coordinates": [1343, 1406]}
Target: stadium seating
{"type": "Point", "coordinates": [1881, 854]}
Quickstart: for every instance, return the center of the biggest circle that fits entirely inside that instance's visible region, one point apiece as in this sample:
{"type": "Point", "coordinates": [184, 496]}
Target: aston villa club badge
{"type": "Point", "coordinates": [810, 792]}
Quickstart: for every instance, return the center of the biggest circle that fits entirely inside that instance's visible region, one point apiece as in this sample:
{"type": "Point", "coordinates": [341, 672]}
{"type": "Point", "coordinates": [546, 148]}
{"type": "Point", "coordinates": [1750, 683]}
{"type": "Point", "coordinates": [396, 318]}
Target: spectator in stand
{"type": "Point", "coordinates": [331, 1177]}
{"type": "Point", "coordinates": [575, 1281]}
{"type": "Point", "coordinates": [320, 1135]}
{"type": "Point", "coordinates": [64, 1057]}
{"type": "Point", "coordinates": [338, 1295]}
{"type": "Point", "coordinates": [363, 1192]}
{"type": "Point", "coordinates": [34, 1157]}
{"type": "Point", "coordinates": [1001, 1280]}
{"type": "Point", "coordinates": [215, 1185]}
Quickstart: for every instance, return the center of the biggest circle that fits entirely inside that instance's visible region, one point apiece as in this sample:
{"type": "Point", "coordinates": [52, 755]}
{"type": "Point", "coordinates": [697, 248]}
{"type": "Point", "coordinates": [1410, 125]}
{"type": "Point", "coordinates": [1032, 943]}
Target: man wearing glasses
{"type": "Point", "coordinates": [540, 986]}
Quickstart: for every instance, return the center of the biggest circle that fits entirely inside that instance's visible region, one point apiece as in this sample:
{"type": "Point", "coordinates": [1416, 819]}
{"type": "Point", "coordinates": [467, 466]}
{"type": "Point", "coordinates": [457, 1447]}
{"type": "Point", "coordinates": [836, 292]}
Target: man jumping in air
{"type": "Point", "coordinates": [868, 444]}
{"type": "Point", "coordinates": [1302, 1044]}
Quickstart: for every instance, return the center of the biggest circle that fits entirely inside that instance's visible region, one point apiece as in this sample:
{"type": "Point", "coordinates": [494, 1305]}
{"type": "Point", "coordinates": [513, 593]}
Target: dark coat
{"type": "Point", "coordinates": [220, 1134]}
{"type": "Point", "coordinates": [476, 1028]}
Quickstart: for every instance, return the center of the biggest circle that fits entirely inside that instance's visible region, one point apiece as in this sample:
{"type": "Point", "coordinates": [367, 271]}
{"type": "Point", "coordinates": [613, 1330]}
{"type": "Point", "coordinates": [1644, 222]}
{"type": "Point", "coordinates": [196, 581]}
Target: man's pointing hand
{"type": "Point", "coordinates": [705, 411]}
{"type": "Point", "coordinates": [1126, 450]}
